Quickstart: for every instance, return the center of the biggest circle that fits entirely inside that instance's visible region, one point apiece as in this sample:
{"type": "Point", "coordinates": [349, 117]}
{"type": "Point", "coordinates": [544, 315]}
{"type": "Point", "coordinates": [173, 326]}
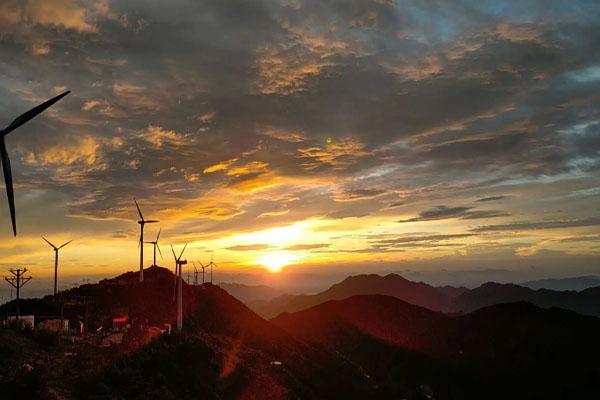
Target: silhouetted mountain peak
{"type": "Point", "coordinates": [389, 285]}
{"type": "Point", "coordinates": [224, 351]}
{"type": "Point", "coordinates": [585, 302]}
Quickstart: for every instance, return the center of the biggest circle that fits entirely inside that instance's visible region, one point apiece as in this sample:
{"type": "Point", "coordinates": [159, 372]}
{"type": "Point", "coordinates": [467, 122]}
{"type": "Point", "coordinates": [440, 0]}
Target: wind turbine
{"type": "Point", "coordinates": [211, 264]}
{"type": "Point", "coordinates": [20, 120]}
{"type": "Point", "coordinates": [155, 244]}
{"type": "Point", "coordinates": [56, 249]}
{"type": "Point", "coordinates": [178, 264]}
{"type": "Point", "coordinates": [142, 222]}
{"type": "Point", "coordinates": [203, 268]}
{"type": "Point", "coordinates": [196, 272]}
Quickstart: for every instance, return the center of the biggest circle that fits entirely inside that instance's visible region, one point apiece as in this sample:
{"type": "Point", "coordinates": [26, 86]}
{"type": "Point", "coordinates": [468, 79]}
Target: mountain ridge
{"type": "Point", "coordinates": [224, 351]}
{"type": "Point", "coordinates": [390, 284]}
{"type": "Point", "coordinates": [542, 353]}
{"type": "Point", "coordinates": [446, 299]}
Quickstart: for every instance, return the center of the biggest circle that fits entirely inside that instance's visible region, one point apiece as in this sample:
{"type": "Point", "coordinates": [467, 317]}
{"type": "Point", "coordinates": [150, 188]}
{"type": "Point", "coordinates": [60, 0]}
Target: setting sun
{"type": "Point", "coordinates": [276, 261]}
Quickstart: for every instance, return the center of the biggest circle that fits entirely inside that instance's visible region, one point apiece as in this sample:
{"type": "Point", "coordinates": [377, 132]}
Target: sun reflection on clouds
{"type": "Point", "coordinates": [271, 252]}
{"type": "Point", "coordinates": [277, 236]}
{"type": "Point", "coordinates": [275, 261]}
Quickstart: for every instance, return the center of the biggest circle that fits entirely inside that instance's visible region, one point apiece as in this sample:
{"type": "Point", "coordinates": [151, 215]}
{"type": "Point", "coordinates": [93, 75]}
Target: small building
{"type": "Point", "coordinates": [27, 321]}
{"type": "Point", "coordinates": [54, 325]}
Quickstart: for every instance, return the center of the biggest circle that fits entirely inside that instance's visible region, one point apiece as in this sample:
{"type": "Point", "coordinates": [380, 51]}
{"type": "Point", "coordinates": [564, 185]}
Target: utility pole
{"type": "Point", "coordinates": [18, 280]}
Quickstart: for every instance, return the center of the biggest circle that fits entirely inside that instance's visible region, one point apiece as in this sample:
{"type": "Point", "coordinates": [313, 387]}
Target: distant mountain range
{"type": "Point", "coordinates": [446, 299]}
{"type": "Point", "coordinates": [586, 302]}
{"type": "Point", "coordinates": [508, 351]}
{"type": "Point", "coordinates": [249, 293]}
{"type": "Point", "coordinates": [392, 285]}
{"type": "Point", "coordinates": [359, 347]}
{"type": "Point", "coordinates": [577, 283]}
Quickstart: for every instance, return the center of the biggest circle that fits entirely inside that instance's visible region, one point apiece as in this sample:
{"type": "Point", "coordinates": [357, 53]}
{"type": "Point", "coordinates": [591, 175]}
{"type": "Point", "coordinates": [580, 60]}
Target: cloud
{"type": "Point", "coordinates": [248, 247]}
{"type": "Point", "coordinates": [350, 113]}
{"type": "Point", "coordinates": [395, 204]}
{"type": "Point", "coordinates": [584, 238]}
{"type": "Point", "coordinates": [135, 97]}
{"type": "Point", "coordinates": [101, 107]}
{"type": "Point", "coordinates": [287, 136]}
{"type": "Point", "coordinates": [66, 14]}
{"type": "Point", "coordinates": [160, 137]}
{"type": "Point", "coordinates": [391, 243]}
{"type": "Point", "coordinates": [421, 241]}
{"type": "Point", "coordinates": [289, 67]}
{"type": "Point", "coordinates": [520, 32]}
{"type": "Point", "coordinates": [540, 225]}
{"type": "Point", "coordinates": [273, 213]}
{"type": "Point", "coordinates": [337, 154]}
{"type": "Point", "coordinates": [426, 68]}
{"type": "Point", "coordinates": [479, 214]}
{"type": "Point", "coordinates": [223, 165]}
{"type": "Point", "coordinates": [76, 151]}
{"type": "Point", "coordinates": [491, 198]}
{"type": "Point", "coordinates": [358, 194]}
{"type": "Point", "coordinates": [42, 24]}
{"type": "Point", "coordinates": [217, 212]}
{"type": "Point", "coordinates": [285, 74]}
{"type": "Point", "coordinates": [89, 105]}
{"type": "Point", "coordinates": [207, 118]}
{"type": "Point", "coordinates": [253, 167]}
{"type": "Point", "coordinates": [298, 247]}
{"type": "Point", "coordinates": [252, 182]}
{"type": "Point", "coordinates": [444, 212]}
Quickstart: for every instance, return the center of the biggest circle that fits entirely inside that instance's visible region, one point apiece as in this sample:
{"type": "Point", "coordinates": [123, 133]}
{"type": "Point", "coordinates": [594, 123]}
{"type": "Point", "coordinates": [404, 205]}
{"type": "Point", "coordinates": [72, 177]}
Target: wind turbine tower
{"type": "Point", "coordinates": [20, 120]}
{"type": "Point", "coordinates": [142, 222]}
{"type": "Point", "coordinates": [56, 249]}
{"type": "Point", "coordinates": [178, 264]}
{"type": "Point", "coordinates": [155, 245]}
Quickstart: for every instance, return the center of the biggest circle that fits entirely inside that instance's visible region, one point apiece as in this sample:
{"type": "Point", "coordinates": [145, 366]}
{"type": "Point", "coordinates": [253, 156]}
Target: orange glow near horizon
{"type": "Point", "coordinates": [277, 260]}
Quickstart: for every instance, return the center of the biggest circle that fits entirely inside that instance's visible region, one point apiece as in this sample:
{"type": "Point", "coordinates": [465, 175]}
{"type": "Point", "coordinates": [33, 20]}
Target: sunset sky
{"type": "Point", "coordinates": [435, 138]}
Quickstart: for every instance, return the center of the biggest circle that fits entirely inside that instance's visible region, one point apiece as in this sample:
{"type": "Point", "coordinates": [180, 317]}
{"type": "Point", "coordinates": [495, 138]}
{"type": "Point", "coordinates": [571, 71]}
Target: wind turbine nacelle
{"type": "Point", "coordinates": [183, 262]}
